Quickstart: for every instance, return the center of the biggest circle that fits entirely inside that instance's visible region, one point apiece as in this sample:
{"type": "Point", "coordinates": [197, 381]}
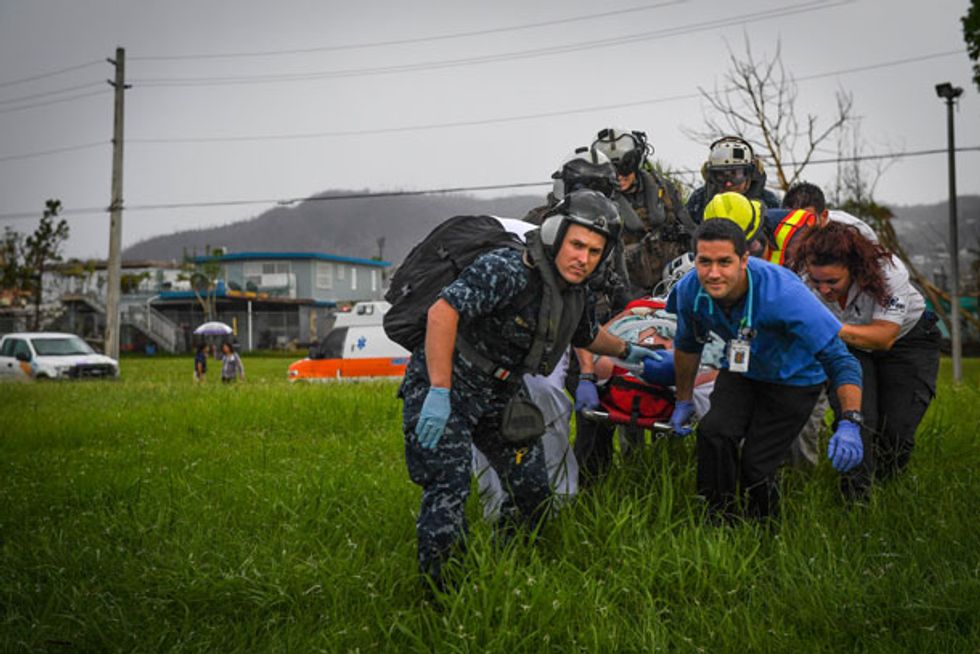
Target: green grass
{"type": "Point", "coordinates": [152, 514]}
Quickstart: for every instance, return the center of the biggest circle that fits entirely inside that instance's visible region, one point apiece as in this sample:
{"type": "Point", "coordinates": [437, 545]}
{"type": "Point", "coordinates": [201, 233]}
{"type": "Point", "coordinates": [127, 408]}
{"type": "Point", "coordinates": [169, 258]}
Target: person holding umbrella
{"type": "Point", "coordinates": [231, 364]}
{"type": "Point", "coordinates": [208, 329]}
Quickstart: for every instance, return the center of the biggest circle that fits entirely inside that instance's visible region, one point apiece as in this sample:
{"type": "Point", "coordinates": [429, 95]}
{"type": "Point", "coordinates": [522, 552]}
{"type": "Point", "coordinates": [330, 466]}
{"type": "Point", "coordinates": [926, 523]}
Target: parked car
{"type": "Point", "coordinates": [52, 355]}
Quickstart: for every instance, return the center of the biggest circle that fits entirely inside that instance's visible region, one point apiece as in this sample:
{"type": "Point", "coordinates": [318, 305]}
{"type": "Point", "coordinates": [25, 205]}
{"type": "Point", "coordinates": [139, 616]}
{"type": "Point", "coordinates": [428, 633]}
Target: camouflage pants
{"type": "Point", "coordinates": [444, 473]}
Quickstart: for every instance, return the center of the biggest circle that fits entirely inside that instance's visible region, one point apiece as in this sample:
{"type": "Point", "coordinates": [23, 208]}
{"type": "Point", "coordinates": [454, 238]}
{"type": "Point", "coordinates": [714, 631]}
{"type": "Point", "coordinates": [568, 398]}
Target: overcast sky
{"type": "Point", "coordinates": [257, 100]}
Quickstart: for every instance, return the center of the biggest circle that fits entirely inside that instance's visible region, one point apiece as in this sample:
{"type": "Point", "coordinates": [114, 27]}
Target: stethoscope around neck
{"type": "Point", "coordinates": [744, 330]}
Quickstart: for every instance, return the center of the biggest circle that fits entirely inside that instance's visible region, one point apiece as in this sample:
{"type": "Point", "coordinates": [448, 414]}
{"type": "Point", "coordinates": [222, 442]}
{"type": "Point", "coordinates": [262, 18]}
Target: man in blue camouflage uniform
{"type": "Point", "coordinates": [450, 402]}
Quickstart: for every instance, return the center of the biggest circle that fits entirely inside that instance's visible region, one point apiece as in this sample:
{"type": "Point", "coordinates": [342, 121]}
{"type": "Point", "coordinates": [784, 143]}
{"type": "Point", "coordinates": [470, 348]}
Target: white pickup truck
{"type": "Point", "coordinates": [52, 355]}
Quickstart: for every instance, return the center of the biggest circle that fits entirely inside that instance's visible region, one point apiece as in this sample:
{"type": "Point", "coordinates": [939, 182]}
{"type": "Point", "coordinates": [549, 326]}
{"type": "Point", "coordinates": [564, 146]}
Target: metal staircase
{"type": "Point", "coordinates": [154, 324]}
{"type": "Point", "coordinates": [163, 331]}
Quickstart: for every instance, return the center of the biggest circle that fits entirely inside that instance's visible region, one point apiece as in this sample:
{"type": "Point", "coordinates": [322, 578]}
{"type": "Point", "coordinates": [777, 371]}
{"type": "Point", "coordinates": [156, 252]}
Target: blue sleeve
{"type": "Point", "coordinates": [770, 198]}
{"type": "Point", "coordinates": [684, 339]}
{"type": "Point", "coordinates": [839, 364]}
{"type": "Point", "coordinates": [804, 315]}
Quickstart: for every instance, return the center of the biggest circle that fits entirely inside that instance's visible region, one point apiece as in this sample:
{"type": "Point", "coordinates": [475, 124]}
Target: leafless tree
{"type": "Point", "coordinates": [757, 102]}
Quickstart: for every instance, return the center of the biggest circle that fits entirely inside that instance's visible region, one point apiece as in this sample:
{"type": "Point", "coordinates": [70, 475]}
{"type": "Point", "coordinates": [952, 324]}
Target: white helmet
{"type": "Point", "coordinates": [584, 168]}
{"type": "Point", "coordinates": [730, 151]}
{"type": "Point", "coordinates": [673, 272]}
{"type": "Point", "coordinates": [627, 150]}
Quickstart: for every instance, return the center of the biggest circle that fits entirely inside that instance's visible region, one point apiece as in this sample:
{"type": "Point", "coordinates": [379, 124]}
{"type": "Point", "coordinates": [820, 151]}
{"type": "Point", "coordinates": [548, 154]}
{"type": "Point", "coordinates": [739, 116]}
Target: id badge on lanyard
{"type": "Point", "coordinates": [739, 350]}
{"type": "Point", "coordinates": [738, 355]}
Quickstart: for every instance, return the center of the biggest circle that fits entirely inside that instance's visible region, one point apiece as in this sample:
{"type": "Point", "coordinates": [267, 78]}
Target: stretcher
{"type": "Point", "coordinates": [625, 399]}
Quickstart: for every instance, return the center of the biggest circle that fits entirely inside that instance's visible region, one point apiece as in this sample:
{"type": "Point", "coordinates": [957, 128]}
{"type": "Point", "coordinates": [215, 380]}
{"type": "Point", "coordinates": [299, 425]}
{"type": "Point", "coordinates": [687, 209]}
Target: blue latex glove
{"type": "Point", "coordinates": [433, 418]}
{"type": "Point", "coordinates": [846, 450]}
{"type": "Point", "coordinates": [659, 371]}
{"type": "Point", "coordinates": [683, 411]}
{"type": "Point", "coordinates": [586, 395]}
{"type": "Point", "coordinates": [637, 353]}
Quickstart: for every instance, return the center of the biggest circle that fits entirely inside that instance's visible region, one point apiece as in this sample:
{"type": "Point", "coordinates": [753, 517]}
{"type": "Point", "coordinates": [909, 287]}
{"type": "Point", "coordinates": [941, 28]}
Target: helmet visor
{"type": "Point", "coordinates": [629, 163]}
{"type": "Point", "coordinates": [598, 184]}
{"type": "Point", "coordinates": [729, 176]}
{"type": "Point", "coordinates": [579, 174]}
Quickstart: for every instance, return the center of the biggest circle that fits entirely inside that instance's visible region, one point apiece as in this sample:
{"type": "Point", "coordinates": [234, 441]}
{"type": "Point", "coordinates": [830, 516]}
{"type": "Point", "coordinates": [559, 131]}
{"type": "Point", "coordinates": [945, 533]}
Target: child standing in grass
{"type": "Point", "coordinates": [231, 364]}
{"type": "Point", "coordinates": [200, 362]}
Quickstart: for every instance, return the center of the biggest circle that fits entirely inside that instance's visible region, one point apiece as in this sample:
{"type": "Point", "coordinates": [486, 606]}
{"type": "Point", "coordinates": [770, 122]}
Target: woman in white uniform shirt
{"type": "Point", "coordinates": [888, 329]}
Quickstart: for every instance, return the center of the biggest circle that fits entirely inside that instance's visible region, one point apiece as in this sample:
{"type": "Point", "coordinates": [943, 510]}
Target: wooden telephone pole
{"type": "Point", "coordinates": [115, 210]}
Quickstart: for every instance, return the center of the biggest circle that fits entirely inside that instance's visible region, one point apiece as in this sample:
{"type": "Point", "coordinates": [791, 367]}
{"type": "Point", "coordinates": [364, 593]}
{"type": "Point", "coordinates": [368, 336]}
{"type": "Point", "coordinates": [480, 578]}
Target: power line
{"type": "Point", "coordinates": [61, 71]}
{"type": "Point", "coordinates": [412, 128]}
{"type": "Point", "coordinates": [806, 7]}
{"type": "Point", "coordinates": [286, 201]}
{"type": "Point", "coordinates": [70, 148]}
{"type": "Point", "coordinates": [64, 213]}
{"type": "Point", "coordinates": [886, 64]}
{"type": "Point", "coordinates": [422, 39]}
{"type": "Point", "coordinates": [56, 101]}
{"type": "Point", "coordinates": [508, 119]}
{"type": "Point", "coordinates": [50, 93]}
{"type": "Point", "coordinates": [463, 123]}
{"type": "Point", "coordinates": [438, 191]}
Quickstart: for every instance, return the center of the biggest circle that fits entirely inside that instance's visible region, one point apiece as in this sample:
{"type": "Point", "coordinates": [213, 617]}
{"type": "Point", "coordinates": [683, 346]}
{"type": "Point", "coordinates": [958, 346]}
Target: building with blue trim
{"type": "Point", "coordinates": [310, 275]}
{"type": "Point", "coordinates": [270, 299]}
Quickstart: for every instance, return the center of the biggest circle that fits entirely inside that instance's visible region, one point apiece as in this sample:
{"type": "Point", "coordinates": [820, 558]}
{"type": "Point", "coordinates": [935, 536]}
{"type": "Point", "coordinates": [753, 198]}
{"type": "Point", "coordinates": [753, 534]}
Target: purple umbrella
{"type": "Point", "coordinates": [213, 328]}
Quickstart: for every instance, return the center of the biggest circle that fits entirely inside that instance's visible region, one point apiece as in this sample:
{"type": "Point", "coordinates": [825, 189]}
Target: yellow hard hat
{"type": "Point", "coordinates": [746, 213]}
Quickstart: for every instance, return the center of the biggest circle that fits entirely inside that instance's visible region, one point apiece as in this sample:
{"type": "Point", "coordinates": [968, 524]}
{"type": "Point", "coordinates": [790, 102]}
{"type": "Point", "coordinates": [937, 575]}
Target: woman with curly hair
{"type": "Point", "coordinates": [888, 329]}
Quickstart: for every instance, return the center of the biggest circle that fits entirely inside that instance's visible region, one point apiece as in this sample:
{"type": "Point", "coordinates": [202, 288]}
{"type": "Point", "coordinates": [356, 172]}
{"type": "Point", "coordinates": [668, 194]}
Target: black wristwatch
{"type": "Point", "coordinates": [587, 376]}
{"type": "Point", "coordinates": [853, 416]}
{"type": "Point", "coordinates": [627, 348]}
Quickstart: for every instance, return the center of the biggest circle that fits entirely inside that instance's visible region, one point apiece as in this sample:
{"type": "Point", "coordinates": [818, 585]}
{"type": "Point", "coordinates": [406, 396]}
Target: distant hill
{"type": "Point", "coordinates": [924, 228]}
{"type": "Point", "coordinates": [352, 227]}
{"type": "Point", "coordinates": [348, 227]}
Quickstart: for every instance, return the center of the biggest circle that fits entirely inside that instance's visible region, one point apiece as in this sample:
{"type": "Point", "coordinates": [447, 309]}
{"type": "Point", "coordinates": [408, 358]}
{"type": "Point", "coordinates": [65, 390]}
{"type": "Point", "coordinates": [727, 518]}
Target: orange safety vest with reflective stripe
{"type": "Point", "coordinates": [784, 232]}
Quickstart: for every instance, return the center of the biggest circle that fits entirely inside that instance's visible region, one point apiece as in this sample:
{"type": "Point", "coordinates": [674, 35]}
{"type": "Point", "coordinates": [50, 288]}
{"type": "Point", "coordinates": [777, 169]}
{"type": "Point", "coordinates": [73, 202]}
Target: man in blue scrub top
{"type": "Point", "coordinates": [782, 346]}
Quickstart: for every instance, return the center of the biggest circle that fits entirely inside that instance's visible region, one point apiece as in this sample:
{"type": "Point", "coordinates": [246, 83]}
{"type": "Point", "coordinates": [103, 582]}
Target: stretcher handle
{"type": "Point", "coordinates": [603, 416]}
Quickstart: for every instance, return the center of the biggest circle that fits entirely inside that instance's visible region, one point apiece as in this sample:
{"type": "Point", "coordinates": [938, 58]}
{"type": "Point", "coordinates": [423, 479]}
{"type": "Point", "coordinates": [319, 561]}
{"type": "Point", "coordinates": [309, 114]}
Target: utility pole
{"type": "Point", "coordinates": [115, 210]}
{"type": "Point", "coordinates": [950, 93]}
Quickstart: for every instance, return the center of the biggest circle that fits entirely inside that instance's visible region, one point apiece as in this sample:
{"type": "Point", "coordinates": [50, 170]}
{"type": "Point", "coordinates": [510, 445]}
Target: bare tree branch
{"type": "Point", "coordinates": [757, 102]}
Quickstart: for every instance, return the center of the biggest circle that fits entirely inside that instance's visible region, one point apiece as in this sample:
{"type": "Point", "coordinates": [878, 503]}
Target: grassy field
{"type": "Point", "coordinates": [152, 514]}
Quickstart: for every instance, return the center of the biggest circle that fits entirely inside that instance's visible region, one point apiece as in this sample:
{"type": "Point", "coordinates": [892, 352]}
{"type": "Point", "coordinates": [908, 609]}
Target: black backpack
{"type": "Point", "coordinates": [432, 265]}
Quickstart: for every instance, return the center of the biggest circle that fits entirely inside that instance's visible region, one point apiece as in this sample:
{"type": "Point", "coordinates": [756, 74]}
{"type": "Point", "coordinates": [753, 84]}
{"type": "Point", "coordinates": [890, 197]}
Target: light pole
{"type": "Point", "coordinates": [949, 93]}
